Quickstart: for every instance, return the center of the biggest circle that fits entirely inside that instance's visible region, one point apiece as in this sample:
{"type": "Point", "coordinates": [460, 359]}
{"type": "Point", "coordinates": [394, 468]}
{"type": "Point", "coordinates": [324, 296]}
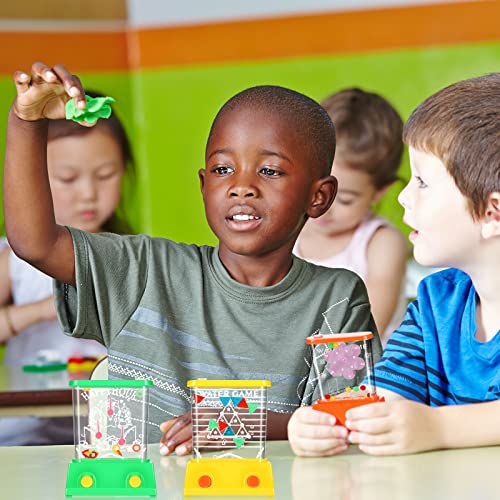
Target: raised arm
{"type": "Point", "coordinates": [29, 215]}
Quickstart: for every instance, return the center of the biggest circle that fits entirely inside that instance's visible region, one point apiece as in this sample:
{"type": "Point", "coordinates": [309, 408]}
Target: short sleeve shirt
{"type": "Point", "coordinates": [434, 357]}
{"type": "Point", "coordinates": [170, 312]}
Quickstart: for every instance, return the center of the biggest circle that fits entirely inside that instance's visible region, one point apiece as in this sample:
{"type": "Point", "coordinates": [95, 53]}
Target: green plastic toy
{"type": "Point", "coordinates": [97, 107]}
{"type": "Point", "coordinates": [110, 427]}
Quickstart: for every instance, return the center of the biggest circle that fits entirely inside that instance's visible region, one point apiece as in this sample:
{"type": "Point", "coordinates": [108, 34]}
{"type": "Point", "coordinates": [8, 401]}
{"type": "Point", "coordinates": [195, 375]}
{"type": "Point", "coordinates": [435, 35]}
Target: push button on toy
{"type": "Point", "coordinates": [87, 481]}
{"type": "Point", "coordinates": [253, 481]}
{"type": "Point", "coordinates": [134, 481]}
{"type": "Point", "coordinates": [205, 481]}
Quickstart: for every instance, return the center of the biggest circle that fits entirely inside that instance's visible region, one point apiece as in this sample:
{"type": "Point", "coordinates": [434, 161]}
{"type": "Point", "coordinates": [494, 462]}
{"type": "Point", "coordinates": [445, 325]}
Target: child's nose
{"type": "Point", "coordinates": [243, 187]}
{"type": "Point", "coordinates": [89, 190]}
{"type": "Point", "coordinates": [403, 197]}
{"type": "Point", "coordinates": [243, 192]}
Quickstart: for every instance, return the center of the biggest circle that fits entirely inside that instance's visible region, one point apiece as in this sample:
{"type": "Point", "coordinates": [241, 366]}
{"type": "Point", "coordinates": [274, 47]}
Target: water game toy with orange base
{"type": "Point", "coordinates": [342, 361]}
{"type": "Point", "coordinates": [229, 420]}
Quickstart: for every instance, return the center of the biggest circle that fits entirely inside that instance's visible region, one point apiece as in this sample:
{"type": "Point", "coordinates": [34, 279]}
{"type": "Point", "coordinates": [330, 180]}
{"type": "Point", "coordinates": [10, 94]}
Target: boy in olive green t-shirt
{"type": "Point", "coordinates": [172, 312]}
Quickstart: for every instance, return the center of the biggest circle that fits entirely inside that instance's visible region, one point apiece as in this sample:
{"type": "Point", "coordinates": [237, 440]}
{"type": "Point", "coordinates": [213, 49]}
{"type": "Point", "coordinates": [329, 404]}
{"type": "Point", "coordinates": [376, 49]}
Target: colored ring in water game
{"type": "Point", "coordinates": [136, 447]}
{"type": "Point", "coordinates": [90, 453]}
{"type": "Point", "coordinates": [116, 450]}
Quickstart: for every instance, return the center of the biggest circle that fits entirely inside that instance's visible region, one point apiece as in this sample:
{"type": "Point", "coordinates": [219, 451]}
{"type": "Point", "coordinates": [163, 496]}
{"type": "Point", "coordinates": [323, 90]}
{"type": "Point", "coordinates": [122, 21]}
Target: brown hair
{"type": "Point", "coordinates": [460, 125]}
{"type": "Point", "coordinates": [117, 223]}
{"type": "Point", "coordinates": [369, 132]}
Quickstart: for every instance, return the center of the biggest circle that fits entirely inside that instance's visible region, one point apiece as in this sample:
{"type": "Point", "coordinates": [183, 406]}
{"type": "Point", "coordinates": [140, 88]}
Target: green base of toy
{"type": "Point", "coordinates": [131, 477]}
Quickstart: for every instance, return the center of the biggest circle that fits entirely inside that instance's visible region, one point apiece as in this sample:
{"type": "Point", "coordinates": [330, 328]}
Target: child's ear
{"type": "Point", "coordinates": [201, 176]}
{"type": "Point", "coordinates": [325, 190]}
{"type": "Point", "coordinates": [491, 219]}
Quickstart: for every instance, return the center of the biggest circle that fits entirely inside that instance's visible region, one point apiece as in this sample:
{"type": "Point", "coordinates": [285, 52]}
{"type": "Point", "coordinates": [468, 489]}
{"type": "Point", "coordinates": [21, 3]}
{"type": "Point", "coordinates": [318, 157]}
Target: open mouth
{"type": "Point", "coordinates": [243, 217]}
{"type": "Point", "coordinates": [243, 222]}
{"type": "Point", "coordinates": [413, 235]}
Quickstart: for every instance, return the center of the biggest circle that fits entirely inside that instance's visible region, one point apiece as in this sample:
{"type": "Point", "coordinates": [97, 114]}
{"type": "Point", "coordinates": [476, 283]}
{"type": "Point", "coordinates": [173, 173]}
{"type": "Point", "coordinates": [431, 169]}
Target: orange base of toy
{"type": "Point", "coordinates": [339, 407]}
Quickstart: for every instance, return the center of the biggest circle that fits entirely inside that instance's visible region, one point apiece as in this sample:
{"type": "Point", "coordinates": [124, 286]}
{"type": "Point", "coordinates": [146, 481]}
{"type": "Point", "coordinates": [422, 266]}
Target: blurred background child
{"type": "Point", "coordinates": [369, 149]}
{"type": "Point", "coordinates": [86, 167]}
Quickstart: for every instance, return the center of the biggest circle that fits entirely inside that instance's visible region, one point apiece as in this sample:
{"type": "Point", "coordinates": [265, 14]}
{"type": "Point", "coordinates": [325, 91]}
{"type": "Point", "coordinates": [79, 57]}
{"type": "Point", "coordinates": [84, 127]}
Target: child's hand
{"type": "Point", "coordinates": [394, 428]}
{"type": "Point", "coordinates": [44, 94]}
{"type": "Point", "coordinates": [313, 433]}
{"type": "Point", "coordinates": [178, 435]}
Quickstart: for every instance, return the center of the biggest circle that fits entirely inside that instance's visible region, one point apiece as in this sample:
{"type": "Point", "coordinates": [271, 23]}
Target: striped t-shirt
{"type": "Point", "coordinates": [434, 357]}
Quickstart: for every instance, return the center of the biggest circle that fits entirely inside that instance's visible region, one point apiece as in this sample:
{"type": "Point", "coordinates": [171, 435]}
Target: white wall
{"type": "Point", "coordinates": [178, 12]}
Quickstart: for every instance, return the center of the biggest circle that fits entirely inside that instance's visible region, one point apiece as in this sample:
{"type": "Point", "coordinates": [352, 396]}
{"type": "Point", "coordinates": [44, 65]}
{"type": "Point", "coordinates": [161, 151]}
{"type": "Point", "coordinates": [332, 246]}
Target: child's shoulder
{"type": "Point", "coordinates": [163, 246]}
{"type": "Point", "coordinates": [445, 285]}
{"type": "Point", "coordinates": [383, 230]}
{"type": "Point", "coordinates": [332, 275]}
{"type": "Point", "coordinates": [450, 276]}
{"type": "Point", "coordinates": [390, 233]}
{"type": "Point", "coordinates": [139, 247]}
{"type": "Point", "coordinates": [387, 242]}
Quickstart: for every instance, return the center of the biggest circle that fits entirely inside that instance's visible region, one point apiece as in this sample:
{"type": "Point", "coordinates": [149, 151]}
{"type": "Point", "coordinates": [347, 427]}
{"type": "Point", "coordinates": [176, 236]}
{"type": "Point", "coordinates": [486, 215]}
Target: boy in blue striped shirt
{"type": "Point", "coordinates": [440, 372]}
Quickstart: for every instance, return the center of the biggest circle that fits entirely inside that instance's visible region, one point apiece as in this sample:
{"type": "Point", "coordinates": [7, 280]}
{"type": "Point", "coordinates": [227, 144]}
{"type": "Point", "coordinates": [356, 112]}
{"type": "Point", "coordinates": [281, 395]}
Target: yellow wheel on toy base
{"type": "Point", "coordinates": [134, 481]}
{"type": "Point", "coordinates": [87, 481]}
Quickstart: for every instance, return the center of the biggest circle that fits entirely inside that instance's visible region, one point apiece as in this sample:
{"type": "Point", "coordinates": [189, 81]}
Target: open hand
{"type": "Point", "coordinates": [178, 435]}
{"type": "Point", "coordinates": [44, 93]}
{"type": "Point", "coordinates": [394, 428]}
{"type": "Point", "coordinates": [313, 433]}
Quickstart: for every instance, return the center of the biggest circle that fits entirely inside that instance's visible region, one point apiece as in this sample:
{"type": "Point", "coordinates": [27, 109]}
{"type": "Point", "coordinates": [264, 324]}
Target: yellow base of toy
{"type": "Point", "coordinates": [229, 477]}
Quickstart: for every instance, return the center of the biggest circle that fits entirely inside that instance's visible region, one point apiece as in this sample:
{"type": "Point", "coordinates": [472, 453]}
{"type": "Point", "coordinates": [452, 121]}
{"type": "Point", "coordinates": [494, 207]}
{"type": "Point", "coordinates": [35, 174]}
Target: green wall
{"type": "Point", "coordinates": [179, 105]}
{"type": "Point", "coordinates": [169, 112]}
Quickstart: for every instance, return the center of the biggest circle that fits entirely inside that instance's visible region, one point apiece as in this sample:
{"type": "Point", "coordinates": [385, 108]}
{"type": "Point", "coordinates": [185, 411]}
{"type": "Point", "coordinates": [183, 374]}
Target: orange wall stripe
{"type": "Point", "coordinates": [79, 51]}
{"type": "Point", "coordinates": [331, 33]}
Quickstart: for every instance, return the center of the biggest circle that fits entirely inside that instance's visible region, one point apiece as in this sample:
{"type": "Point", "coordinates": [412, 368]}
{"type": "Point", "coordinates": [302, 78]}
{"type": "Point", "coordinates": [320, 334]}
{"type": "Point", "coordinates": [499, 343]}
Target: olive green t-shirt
{"type": "Point", "coordinates": [170, 312]}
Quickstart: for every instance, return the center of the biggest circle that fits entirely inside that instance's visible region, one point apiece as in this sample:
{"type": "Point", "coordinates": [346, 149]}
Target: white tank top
{"type": "Point", "coordinates": [29, 285]}
{"type": "Point", "coordinates": [354, 258]}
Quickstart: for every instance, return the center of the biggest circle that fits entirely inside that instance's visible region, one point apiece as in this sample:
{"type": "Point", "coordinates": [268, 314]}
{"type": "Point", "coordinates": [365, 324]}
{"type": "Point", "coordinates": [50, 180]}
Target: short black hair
{"type": "Point", "coordinates": [304, 114]}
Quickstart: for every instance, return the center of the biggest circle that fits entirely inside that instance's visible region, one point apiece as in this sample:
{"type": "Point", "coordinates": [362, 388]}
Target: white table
{"type": "Point", "coordinates": [39, 473]}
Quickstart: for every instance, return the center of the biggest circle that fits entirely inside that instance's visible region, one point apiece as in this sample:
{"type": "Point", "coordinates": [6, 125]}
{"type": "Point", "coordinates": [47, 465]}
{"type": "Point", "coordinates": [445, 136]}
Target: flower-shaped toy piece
{"type": "Point", "coordinates": [344, 360]}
